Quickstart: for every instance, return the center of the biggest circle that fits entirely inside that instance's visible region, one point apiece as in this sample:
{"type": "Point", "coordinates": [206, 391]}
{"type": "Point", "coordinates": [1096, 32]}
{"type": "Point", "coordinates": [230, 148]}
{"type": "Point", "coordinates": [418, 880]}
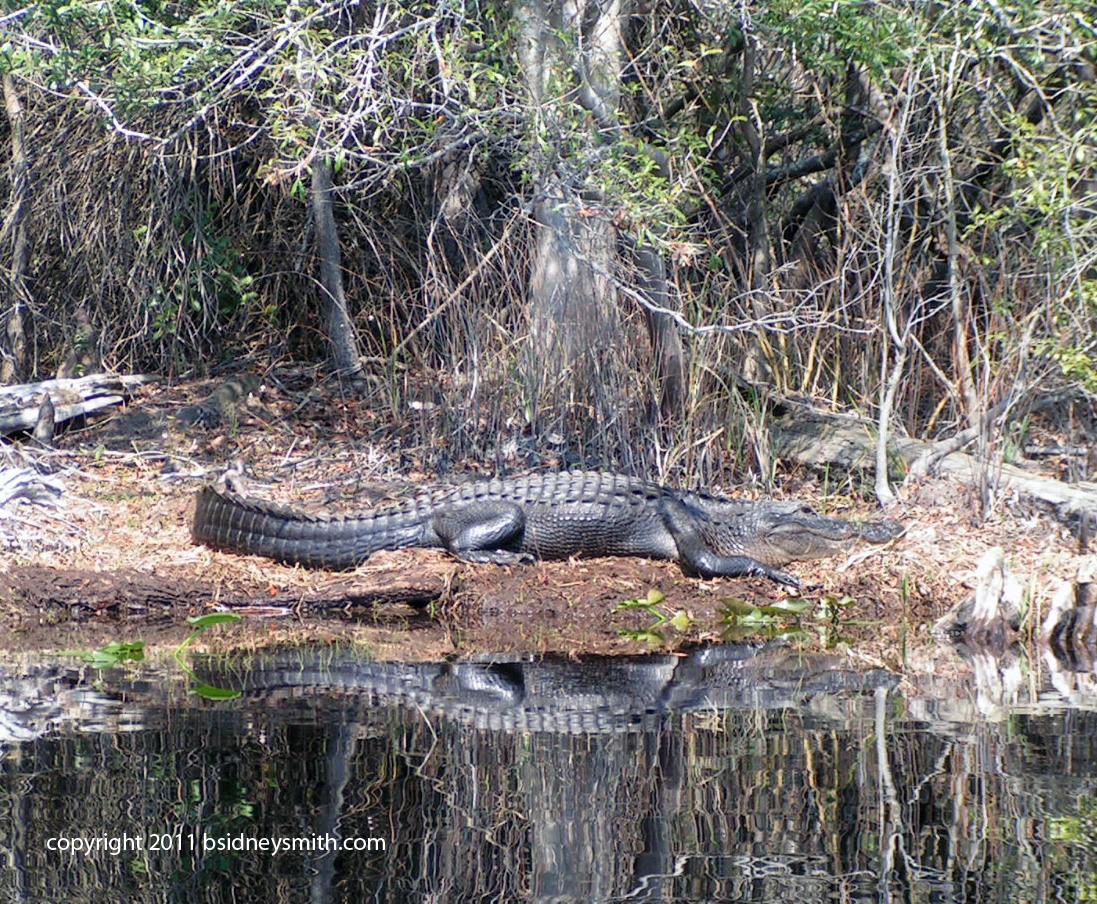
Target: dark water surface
{"type": "Point", "coordinates": [731, 774]}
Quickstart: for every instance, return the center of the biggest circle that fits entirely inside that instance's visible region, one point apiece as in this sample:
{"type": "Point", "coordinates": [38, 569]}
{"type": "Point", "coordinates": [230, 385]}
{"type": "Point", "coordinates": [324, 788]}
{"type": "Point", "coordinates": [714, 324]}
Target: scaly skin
{"type": "Point", "coordinates": [543, 516]}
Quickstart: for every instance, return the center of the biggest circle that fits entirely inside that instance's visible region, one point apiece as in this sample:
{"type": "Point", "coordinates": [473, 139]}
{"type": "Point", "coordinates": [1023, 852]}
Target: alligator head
{"type": "Point", "coordinates": [788, 533]}
{"type": "Point", "coordinates": [776, 533]}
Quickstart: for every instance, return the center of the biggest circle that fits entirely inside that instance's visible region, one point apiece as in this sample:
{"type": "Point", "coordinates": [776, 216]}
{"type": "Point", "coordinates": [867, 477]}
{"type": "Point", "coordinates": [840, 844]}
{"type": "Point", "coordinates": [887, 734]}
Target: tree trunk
{"type": "Point", "coordinates": [762, 362]}
{"type": "Point", "coordinates": [666, 344]}
{"type": "Point", "coordinates": [333, 303]}
{"type": "Point", "coordinates": [342, 336]}
{"type": "Point", "coordinates": [572, 315]}
{"type": "Point", "coordinates": [13, 354]}
{"type": "Point", "coordinates": [572, 303]}
{"type": "Point", "coordinates": [571, 294]}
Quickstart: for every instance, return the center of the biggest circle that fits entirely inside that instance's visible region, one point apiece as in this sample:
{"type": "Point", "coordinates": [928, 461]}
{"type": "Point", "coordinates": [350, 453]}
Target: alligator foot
{"type": "Point", "coordinates": [495, 557]}
{"type": "Point", "coordinates": [780, 577]}
{"type": "Point", "coordinates": [706, 564]}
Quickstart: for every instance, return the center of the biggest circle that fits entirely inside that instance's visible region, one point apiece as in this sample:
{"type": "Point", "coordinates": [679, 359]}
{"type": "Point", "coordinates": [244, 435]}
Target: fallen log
{"type": "Point", "coordinates": [70, 398]}
{"type": "Point", "coordinates": [21, 527]}
{"type": "Point", "coordinates": [26, 483]}
{"type": "Point", "coordinates": [61, 594]}
{"type": "Point", "coordinates": [821, 439]}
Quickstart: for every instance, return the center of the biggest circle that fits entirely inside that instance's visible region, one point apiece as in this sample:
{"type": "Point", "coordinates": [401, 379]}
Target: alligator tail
{"type": "Point", "coordinates": [225, 520]}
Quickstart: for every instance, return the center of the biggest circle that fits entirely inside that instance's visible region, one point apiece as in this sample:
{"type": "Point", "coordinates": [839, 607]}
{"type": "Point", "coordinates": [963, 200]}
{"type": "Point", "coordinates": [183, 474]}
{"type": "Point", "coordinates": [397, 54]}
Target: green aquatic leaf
{"type": "Point", "coordinates": [652, 638]}
{"type": "Point", "coordinates": [214, 618]}
{"type": "Point", "coordinates": [793, 605]}
{"type": "Point", "coordinates": [111, 655]}
{"type": "Point", "coordinates": [214, 693]}
{"type": "Point", "coordinates": [681, 621]}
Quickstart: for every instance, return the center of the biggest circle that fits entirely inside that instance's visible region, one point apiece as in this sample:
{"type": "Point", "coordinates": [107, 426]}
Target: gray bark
{"type": "Point", "coordinates": [666, 343]}
{"type": "Point", "coordinates": [21, 406]}
{"type": "Point", "coordinates": [13, 355]}
{"type": "Point", "coordinates": [342, 335]}
{"type": "Point", "coordinates": [761, 356]}
{"type": "Point", "coordinates": [573, 316]}
{"type": "Point", "coordinates": [572, 310]}
{"type": "Point", "coordinates": [822, 439]}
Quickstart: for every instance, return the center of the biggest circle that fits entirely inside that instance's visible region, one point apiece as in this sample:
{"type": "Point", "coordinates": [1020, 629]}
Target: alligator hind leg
{"type": "Point", "coordinates": [486, 532]}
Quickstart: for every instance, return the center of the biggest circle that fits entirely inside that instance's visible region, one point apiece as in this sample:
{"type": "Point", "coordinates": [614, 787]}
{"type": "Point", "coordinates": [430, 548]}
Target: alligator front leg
{"type": "Point", "coordinates": [705, 563]}
{"type": "Point", "coordinates": [486, 532]}
{"type": "Point", "coordinates": [697, 558]}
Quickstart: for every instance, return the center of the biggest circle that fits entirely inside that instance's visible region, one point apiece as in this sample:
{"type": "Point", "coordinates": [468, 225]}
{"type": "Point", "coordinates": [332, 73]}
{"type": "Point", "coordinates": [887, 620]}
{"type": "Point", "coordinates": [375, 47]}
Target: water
{"type": "Point", "coordinates": [730, 775]}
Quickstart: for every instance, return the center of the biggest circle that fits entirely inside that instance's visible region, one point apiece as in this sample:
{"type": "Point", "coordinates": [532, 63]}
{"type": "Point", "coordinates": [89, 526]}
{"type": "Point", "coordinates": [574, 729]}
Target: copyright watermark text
{"type": "Point", "coordinates": [198, 842]}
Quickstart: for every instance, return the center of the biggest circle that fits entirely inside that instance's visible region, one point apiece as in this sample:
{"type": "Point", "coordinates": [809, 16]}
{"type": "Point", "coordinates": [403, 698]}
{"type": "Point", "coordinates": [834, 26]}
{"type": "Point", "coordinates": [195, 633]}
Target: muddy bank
{"type": "Point", "coordinates": [427, 605]}
{"type": "Point", "coordinates": [116, 560]}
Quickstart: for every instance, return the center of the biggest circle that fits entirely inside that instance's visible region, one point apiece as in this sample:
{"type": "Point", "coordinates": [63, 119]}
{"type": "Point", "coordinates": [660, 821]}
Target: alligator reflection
{"type": "Point", "coordinates": [730, 773]}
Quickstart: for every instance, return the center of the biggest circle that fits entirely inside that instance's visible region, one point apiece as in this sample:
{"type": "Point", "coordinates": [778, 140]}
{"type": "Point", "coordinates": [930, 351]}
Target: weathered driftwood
{"type": "Point", "coordinates": [20, 529]}
{"type": "Point", "coordinates": [26, 483]}
{"type": "Point", "coordinates": [991, 616]}
{"type": "Point", "coordinates": [45, 426]}
{"type": "Point", "coordinates": [1002, 666]}
{"type": "Point", "coordinates": [821, 439]}
{"type": "Point", "coordinates": [20, 406]}
{"type": "Point", "coordinates": [1070, 629]}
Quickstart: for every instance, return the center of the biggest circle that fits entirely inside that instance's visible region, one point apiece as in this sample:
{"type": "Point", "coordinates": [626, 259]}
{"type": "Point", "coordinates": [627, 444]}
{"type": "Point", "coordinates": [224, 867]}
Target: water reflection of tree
{"type": "Point", "coordinates": [851, 796]}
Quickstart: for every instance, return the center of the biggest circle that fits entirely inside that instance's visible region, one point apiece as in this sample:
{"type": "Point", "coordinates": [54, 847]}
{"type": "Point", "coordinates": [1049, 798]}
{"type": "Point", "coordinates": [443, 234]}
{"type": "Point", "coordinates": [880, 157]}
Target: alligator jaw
{"type": "Point", "coordinates": [802, 534]}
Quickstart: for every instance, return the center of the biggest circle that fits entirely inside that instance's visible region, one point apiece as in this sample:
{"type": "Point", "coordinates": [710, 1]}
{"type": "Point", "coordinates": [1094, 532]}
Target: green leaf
{"type": "Point", "coordinates": [681, 621]}
{"type": "Point", "coordinates": [735, 606]}
{"type": "Point", "coordinates": [790, 606]}
{"type": "Point", "coordinates": [652, 638]}
{"type": "Point", "coordinates": [111, 655]}
{"type": "Point", "coordinates": [135, 650]}
{"type": "Point", "coordinates": [214, 693]}
{"type": "Point", "coordinates": [214, 618]}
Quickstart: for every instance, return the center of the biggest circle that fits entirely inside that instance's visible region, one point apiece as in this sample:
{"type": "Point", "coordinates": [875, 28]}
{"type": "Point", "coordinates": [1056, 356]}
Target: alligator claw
{"type": "Point", "coordinates": [782, 577]}
{"type": "Point", "coordinates": [496, 557]}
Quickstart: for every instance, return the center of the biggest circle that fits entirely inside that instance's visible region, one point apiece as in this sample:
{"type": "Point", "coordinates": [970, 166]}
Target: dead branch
{"type": "Point", "coordinates": [20, 405]}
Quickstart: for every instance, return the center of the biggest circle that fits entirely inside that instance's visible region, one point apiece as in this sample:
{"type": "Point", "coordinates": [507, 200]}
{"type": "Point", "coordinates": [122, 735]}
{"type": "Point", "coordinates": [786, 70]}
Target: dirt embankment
{"type": "Point", "coordinates": [116, 562]}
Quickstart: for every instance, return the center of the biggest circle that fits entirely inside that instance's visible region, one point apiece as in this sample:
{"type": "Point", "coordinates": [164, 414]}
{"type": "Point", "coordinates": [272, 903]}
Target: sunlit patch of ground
{"type": "Point", "coordinates": [117, 562]}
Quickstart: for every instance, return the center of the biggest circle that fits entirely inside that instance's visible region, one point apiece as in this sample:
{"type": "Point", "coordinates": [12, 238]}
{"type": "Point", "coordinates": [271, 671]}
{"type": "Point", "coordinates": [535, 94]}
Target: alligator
{"type": "Point", "coordinates": [220, 407]}
{"type": "Point", "coordinates": [557, 695]}
{"type": "Point", "coordinates": [543, 516]}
